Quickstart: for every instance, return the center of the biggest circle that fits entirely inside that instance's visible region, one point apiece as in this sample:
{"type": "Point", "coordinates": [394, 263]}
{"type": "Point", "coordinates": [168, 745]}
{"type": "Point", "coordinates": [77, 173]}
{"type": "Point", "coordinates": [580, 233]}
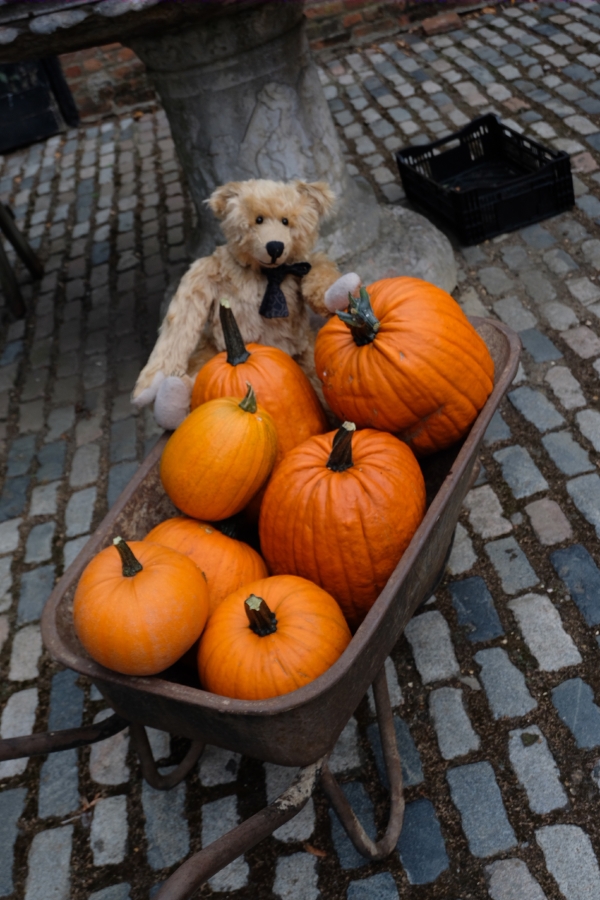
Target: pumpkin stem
{"type": "Point", "coordinates": [234, 342]}
{"type": "Point", "coordinates": [131, 565]}
{"type": "Point", "coordinates": [262, 620]}
{"type": "Point", "coordinates": [360, 319]}
{"type": "Point", "coordinates": [340, 457]}
{"type": "Point", "coordinates": [248, 404]}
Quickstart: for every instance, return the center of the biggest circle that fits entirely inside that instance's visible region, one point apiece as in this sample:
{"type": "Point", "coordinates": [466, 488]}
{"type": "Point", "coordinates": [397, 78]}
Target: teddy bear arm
{"type": "Point", "coordinates": [182, 326]}
{"type": "Point", "coordinates": [321, 276]}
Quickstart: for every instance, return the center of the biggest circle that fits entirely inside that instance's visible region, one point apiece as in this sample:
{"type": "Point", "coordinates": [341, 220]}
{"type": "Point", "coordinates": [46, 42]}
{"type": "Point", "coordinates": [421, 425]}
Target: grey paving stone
{"type": "Point", "coordinates": [476, 794]}
{"type": "Point", "coordinates": [570, 860]}
{"type": "Point", "coordinates": [12, 804]}
{"type": "Point", "coordinates": [18, 718]}
{"type": "Point", "coordinates": [475, 609]}
{"type": "Point", "coordinates": [44, 499]}
{"type": "Point", "coordinates": [485, 512]}
{"type": "Point", "coordinates": [51, 459]}
{"type": "Point", "coordinates": [394, 689]}
{"type": "Point", "coordinates": [59, 785]}
{"type": "Point", "coordinates": [559, 316]}
{"type": "Point", "coordinates": [516, 316]}
{"type": "Point", "coordinates": [301, 827]}
{"type": "Point", "coordinates": [218, 818]}
{"type": "Point", "coordinates": [579, 572]}
{"type": "Point", "coordinates": [375, 887]}
{"type": "Point", "coordinates": [429, 638]}
{"type": "Point", "coordinates": [544, 634]}
{"type": "Point", "coordinates": [421, 846]}
{"type": "Point", "coordinates": [510, 879]}
{"type": "Point", "coordinates": [566, 453]}
{"type": "Point", "coordinates": [462, 556]}
{"type": "Point", "coordinates": [108, 834]}
{"type": "Point", "coordinates": [511, 564]}
{"type": "Point", "coordinates": [588, 421]}
{"type": "Point", "coordinates": [79, 512]}
{"type": "Point", "coordinates": [566, 387]}
{"type": "Point", "coordinates": [123, 440]}
{"type": "Point", "coordinates": [13, 498]}
{"type": "Point", "coordinates": [536, 408]}
{"type": "Point", "coordinates": [119, 477]}
{"type": "Point", "coordinates": [539, 288]}
{"type": "Point", "coordinates": [59, 422]}
{"type": "Point", "coordinates": [9, 535]}
{"type": "Point", "coordinates": [218, 766]}
{"type": "Point", "coordinates": [348, 857]}
{"type": "Point", "coordinates": [549, 522]}
{"type": "Point", "coordinates": [167, 831]}
{"type": "Point", "coordinates": [85, 466]}
{"type": "Point", "coordinates": [39, 543]}
{"type": "Point", "coordinates": [452, 724]}
{"type": "Point", "coordinates": [66, 701]}
{"type": "Point", "coordinates": [559, 262]}
{"type": "Point", "coordinates": [504, 684]}
{"type": "Point", "coordinates": [20, 456]}
{"type": "Point", "coordinates": [412, 770]}
{"type": "Point", "coordinates": [536, 769]}
{"type": "Point", "coordinates": [115, 892]}
{"type": "Point", "coordinates": [520, 472]}
{"type": "Point", "coordinates": [574, 702]}
{"type": "Point", "coordinates": [49, 865]}
{"type": "Point", "coordinates": [585, 493]}
{"type": "Point", "coordinates": [583, 341]}
{"type": "Point", "coordinates": [108, 759]}
{"type": "Point", "coordinates": [497, 430]}
{"type": "Point", "coordinates": [36, 587]}
{"type": "Point", "coordinates": [296, 877]}
{"type": "Point", "coordinates": [495, 280]}
{"type": "Point", "coordinates": [346, 753]}
{"type": "Point", "coordinates": [25, 653]}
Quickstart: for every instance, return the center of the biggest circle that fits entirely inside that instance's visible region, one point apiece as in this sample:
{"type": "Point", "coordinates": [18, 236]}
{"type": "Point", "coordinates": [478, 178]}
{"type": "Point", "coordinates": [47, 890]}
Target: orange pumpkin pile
{"type": "Point", "coordinates": [407, 371]}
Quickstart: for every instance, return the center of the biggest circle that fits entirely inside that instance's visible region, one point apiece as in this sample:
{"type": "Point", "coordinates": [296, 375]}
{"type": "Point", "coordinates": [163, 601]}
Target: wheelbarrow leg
{"type": "Point", "coordinates": [149, 769]}
{"type": "Point", "coordinates": [355, 831]}
{"type": "Point", "coordinates": [190, 876]}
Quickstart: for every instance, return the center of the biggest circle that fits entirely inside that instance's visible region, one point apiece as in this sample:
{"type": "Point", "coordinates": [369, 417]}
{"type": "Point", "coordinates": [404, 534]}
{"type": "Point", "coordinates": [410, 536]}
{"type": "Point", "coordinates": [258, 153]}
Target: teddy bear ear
{"type": "Point", "coordinates": [219, 199]}
{"type": "Point", "coordinates": [319, 193]}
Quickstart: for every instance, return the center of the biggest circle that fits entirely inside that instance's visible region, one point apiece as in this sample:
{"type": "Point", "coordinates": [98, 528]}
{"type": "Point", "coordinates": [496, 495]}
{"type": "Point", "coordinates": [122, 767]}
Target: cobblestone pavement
{"type": "Point", "coordinates": [496, 685]}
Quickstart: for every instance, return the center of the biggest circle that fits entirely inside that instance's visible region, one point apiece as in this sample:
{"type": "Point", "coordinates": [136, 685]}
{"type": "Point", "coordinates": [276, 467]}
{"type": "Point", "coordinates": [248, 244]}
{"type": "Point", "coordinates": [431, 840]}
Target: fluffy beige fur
{"type": "Point", "coordinates": [191, 331]}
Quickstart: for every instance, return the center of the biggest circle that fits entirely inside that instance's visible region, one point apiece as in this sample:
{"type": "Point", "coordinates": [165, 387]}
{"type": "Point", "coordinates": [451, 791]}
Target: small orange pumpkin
{"type": "Point", "coordinates": [281, 386]}
{"type": "Point", "coordinates": [405, 359]}
{"type": "Point", "coordinates": [219, 457]}
{"type": "Point", "coordinates": [341, 510]}
{"type": "Point", "coordinates": [138, 607]}
{"type": "Point", "coordinates": [271, 637]}
{"type": "Point", "coordinates": [228, 564]}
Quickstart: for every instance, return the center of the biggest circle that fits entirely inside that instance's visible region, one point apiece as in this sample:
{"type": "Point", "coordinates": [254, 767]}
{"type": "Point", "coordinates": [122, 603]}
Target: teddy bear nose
{"type": "Point", "coordinates": [274, 249]}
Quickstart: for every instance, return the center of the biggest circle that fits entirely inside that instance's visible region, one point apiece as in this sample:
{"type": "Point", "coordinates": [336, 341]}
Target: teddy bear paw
{"type": "Point", "coordinates": [148, 395]}
{"type": "Point", "coordinates": [172, 402]}
{"type": "Point", "coordinates": [336, 297]}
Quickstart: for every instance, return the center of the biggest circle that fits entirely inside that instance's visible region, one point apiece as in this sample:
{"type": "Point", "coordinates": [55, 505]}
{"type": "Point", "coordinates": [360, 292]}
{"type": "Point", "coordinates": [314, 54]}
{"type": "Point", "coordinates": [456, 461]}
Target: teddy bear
{"type": "Point", "coordinates": [270, 276]}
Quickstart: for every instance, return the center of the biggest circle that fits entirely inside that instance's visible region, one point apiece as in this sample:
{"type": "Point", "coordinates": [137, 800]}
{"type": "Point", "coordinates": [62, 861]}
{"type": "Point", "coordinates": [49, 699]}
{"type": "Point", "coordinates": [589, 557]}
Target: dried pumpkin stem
{"type": "Point", "coordinates": [262, 620]}
{"type": "Point", "coordinates": [131, 565]}
{"type": "Point", "coordinates": [340, 457]}
{"type": "Point", "coordinates": [360, 319]}
{"type": "Point", "coordinates": [234, 342]}
{"type": "Point", "coordinates": [249, 404]}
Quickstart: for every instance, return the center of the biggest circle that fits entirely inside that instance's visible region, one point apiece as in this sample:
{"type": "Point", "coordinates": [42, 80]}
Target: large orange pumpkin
{"type": "Point", "coordinates": [138, 607]}
{"type": "Point", "coordinates": [281, 386]}
{"type": "Point", "coordinates": [405, 359]}
{"type": "Point", "coordinates": [269, 638]}
{"type": "Point", "coordinates": [227, 564]}
{"type": "Point", "coordinates": [340, 510]}
{"type": "Point", "coordinates": [219, 457]}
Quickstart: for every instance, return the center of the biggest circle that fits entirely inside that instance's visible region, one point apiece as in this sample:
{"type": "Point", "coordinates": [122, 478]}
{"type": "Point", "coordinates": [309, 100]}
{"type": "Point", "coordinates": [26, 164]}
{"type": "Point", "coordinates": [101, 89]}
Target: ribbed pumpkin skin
{"type": "Point", "coordinates": [281, 388]}
{"type": "Point", "coordinates": [143, 624]}
{"type": "Point", "coordinates": [424, 377]}
{"type": "Point", "coordinates": [218, 458]}
{"type": "Point", "coordinates": [226, 563]}
{"type": "Point", "coordinates": [311, 635]}
{"type": "Point", "coordinates": [346, 531]}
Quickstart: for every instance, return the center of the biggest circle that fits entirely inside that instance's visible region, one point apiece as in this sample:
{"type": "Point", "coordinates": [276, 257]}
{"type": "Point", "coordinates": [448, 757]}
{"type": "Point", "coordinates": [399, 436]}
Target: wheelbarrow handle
{"type": "Point", "coordinates": [53, 741]}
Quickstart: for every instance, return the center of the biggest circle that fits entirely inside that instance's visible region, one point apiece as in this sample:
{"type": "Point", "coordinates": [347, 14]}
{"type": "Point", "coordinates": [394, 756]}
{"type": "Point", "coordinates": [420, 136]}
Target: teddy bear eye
{"type": "Point", "coordinates": [284, 222]}
{"type": "Point", "coordinates": [259, 220]}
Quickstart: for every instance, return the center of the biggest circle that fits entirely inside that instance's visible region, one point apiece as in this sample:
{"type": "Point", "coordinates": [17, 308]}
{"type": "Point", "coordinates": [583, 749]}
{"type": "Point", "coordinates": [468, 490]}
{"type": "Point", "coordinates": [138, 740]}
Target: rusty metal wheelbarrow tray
{"type": "Point", "coordinates": [296, 729]}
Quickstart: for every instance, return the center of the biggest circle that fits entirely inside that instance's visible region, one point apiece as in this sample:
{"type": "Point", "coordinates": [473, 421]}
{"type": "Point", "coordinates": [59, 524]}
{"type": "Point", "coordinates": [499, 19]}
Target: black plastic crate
{"type": "Point", "coordinates": [487, 179]}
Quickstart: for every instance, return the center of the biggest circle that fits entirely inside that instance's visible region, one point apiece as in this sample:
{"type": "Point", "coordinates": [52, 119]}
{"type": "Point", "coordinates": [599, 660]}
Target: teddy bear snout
{"type": "Point", "coordinates": [275, 249]}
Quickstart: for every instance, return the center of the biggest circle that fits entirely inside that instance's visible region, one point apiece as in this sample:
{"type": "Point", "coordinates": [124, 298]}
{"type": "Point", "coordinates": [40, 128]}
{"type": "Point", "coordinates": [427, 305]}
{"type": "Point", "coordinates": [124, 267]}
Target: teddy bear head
{"type": "Point", "coordinates": [268, 223]}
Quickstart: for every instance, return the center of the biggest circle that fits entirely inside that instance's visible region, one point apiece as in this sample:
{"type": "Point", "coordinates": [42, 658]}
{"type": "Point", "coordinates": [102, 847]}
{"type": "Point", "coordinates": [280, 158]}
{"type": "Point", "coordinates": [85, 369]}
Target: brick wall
{"type": "Point", "coordinates": [111, 80]}
{"type": "Point", "coordinates": [107, 81]}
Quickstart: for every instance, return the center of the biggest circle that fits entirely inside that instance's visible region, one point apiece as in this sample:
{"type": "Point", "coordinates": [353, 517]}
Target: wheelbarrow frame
{"type": "Point", "coordinates": [297, 729]}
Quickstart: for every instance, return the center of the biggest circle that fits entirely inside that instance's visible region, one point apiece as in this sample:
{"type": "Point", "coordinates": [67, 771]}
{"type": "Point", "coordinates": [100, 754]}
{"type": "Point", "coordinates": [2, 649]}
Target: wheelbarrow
{"type": "Point", "coordinates": [297, 729]}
